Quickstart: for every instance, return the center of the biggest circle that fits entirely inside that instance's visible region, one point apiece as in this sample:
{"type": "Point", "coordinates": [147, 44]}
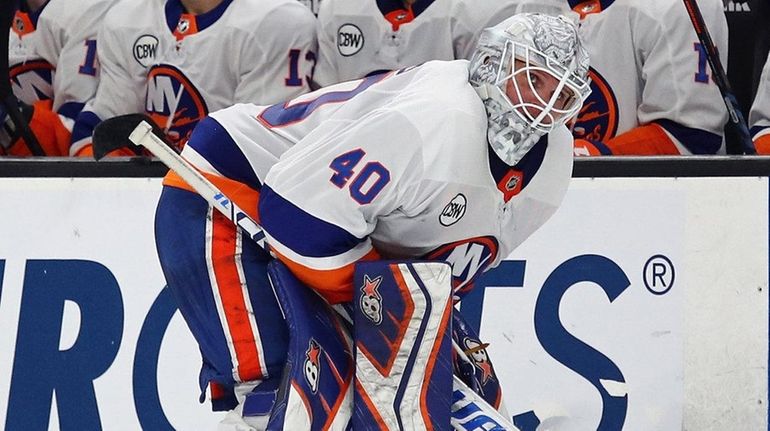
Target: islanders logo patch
{"type": "Point", "coordinates": [174, 103]}
{"type": "Point", "coordinates": [598, 118]}
{"type": "Point", "coordinates": [469, 258]}
{"type": "Point", "coordinates": [32, 81]}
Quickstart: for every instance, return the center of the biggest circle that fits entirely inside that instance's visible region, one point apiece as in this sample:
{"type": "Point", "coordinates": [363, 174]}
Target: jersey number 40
{"type": "Point", "coordinates": [368, 182]}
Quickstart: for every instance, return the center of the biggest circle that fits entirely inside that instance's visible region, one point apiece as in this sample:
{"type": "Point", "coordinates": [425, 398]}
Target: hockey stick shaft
{"type": "Point", "coordinates": [464, 400]}
{"type": "Point", "coordinates": [736, 129]}
{"type": "Point", "coordinates": [143, 136]}
{"type": "Point", "coordinates": [12, 109]}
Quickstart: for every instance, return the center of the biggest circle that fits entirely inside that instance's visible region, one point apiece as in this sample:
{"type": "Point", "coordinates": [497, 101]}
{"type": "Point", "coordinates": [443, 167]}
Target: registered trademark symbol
{"type": "Point", "coordinates": [659, 274]}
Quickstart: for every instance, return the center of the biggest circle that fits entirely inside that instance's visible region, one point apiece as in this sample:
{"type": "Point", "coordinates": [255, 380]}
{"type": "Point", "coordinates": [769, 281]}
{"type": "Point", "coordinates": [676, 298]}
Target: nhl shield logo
{"type": "Point", "coordinates": [18, 24]}
{"type": "Point", "coordinates": [512, 183]}
{"type": "Point", "coordinates": [22, 24]}
{"type": "Point", "coordinates": [183, 26]}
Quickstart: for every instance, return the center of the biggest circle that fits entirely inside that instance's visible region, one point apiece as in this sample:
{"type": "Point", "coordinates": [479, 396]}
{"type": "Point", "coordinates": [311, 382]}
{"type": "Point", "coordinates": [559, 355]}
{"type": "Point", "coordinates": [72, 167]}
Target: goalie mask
{"type": "Point", "coordinates": [531, 72]}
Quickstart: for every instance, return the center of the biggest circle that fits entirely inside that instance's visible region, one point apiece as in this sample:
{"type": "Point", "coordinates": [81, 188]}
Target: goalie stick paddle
{"type": "Point", "coordinates": [736, 129]}
{"type": "Point", "coordinates": [10, 104]}
{"type": "Point", "coordinates": [112, 134]}
{"type": "Point", "coordinates": [468, 409]}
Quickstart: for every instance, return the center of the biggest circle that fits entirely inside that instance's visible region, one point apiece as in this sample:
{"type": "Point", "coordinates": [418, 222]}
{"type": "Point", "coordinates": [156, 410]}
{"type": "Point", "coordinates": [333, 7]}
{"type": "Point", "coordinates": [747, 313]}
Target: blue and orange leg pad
{"type": "Point", "coordinates": [472, 363]}
{"type": "Point", "coordinates": [402, 332]}
{"type": "Point", "coordinates": [316, 391]}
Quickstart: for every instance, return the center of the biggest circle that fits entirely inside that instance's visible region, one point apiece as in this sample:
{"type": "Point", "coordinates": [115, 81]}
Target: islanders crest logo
{"type": "Point", "coordinates": [174, 103]}
{"type": "Point", "coordinates": [598, 118]}
{"type": "Point", "coordinates": [469, 258]}
{"type": "Point", "coordinates": [32, 80]}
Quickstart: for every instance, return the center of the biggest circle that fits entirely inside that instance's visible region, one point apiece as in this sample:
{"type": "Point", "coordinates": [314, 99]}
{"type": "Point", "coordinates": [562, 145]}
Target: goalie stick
{"type": "Point", "coordinates": [736, 129]}
{"type": "Point", "coordinates": [9, 101]}
{"type": "Point", "coordinates": [469, 411]}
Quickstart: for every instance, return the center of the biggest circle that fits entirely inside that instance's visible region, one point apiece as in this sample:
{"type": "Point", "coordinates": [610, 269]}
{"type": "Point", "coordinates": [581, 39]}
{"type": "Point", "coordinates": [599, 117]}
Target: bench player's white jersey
{"type": "Point", "coordinates": [397, 162]}
{"type": "Point", "coordinates": [647, 65]}
{"type": "Point", "coordinates": [178, 67]}
{"type": "Point", "coordinates": [358, 38]}
{"type": "Point", "coordinates": [759, 118]}
{"type": "Point", "coordinates": [52, 54]}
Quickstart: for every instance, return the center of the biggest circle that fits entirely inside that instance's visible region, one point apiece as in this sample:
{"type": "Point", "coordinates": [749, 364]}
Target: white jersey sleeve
{"type": "Point", "coordinates": [67, 40]}
{"type": "Point", "coordinates": [760, 109]}
{"type": "Point", "coordinates": [326, 71]}
{"type": "Point", "coordinates": [364, 164]}
{"type": "Point", "coordinates": [759, 117]}
{"type": "Point", "coordinates": [678, 82]}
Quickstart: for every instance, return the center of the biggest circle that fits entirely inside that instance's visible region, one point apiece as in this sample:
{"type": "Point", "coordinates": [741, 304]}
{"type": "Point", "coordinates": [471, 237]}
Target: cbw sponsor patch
{"type": "Point", "coordinates": [350, 40]}
{"type": "Point", "coordinates": [453, 211]}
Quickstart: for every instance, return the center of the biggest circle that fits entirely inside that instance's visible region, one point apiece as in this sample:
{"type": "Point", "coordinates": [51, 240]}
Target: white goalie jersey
{"type": "Point", "coordinates": [395, 165]}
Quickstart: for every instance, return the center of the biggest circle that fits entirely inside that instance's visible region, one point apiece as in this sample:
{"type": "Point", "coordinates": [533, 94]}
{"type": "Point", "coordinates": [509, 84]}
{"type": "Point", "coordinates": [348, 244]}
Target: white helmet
{"type": "Point", "coordinates": [518, 57]}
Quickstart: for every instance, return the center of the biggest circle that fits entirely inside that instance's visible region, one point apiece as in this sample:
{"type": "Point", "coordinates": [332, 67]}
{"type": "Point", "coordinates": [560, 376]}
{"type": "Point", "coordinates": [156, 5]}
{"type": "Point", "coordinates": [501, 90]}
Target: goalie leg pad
{"type": "Point", "coordinates": [316, 391]}
{"type": "Point", "coordinates": [402, 326]}
{"type": "Point", "coordinates": [472, 363]}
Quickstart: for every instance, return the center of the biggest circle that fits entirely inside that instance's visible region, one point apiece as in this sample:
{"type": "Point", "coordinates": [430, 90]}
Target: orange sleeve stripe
{"type": "Point", "coordinates": [762, 144]}
{"type": "Point", "coordinates": [650, 139]}
{"type": "Point", "coordinates": [85, 151]}
{"type": "Point", "coordinates": [335, 285]}
{"type": "Point", "coordinates": [243, 196]}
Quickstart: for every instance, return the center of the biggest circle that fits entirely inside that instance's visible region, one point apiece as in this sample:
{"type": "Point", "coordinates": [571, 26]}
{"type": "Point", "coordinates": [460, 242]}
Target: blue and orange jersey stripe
{"type": "Point", "coordinates": [761, 136]}
{"type": "Point", "coordinates": [324, 260]}
{"type": "Point", "coordinates": [243, 196]}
